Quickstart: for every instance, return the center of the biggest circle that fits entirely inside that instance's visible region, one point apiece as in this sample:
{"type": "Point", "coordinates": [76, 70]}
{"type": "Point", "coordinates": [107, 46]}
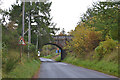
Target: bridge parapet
{"type": "Point", "coordinates": [61, 39]}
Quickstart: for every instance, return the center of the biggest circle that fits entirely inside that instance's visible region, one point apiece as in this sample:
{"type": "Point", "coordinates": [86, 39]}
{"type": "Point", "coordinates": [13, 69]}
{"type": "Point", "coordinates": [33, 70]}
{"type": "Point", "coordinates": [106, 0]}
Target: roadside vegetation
{"type": "Point", "coordinates": [103, 66]}
{"type": "Point", "coordinates": [16, 69]}
{"type": "Point", "coordinates": [11, 23]}
{"type": "Point", "coordinates": [49, 51]}
{"type": "Point", "coordinates": [12, 67]}
{"type": "Point", "coordinates": [58, 58]}
{"type": "Point", "coordinates": [95, 41]}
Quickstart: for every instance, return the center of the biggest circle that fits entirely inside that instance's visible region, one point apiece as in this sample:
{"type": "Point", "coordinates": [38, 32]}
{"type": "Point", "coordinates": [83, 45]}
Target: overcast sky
{"type": "Point", "coordinates": [66, 13]}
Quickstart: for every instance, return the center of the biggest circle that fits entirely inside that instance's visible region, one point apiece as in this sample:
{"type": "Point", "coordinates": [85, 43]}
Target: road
{"type": "Point", "coordinates": [51, 69]}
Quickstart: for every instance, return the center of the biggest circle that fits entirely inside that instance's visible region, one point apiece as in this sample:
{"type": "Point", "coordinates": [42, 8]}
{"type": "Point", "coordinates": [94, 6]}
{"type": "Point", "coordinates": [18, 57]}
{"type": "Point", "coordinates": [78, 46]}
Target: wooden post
{"type": "Point", "coordinates": [21, 48]}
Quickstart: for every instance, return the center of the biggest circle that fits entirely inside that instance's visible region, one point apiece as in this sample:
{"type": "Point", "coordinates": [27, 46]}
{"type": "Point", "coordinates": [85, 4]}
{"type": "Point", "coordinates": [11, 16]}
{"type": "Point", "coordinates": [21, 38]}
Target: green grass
{"type": "Point", "coordinates": [25, 70]}
{"type": "Point", "coordinates": [50, 56]}
{"type": "Point", "coordinates": [102, 66]}
{"type": "Point", "coordinates": [58, 58]}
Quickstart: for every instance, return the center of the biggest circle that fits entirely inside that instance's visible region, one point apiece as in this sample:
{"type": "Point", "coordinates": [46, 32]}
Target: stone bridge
{"type": "Point", "coordinates": [60, 42]}
{"type": "Point", "coordinates": [61, 39]}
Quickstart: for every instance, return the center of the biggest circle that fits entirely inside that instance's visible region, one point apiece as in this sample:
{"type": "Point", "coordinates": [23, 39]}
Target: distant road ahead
{"type": "Point", "coordinates": [51, 69]}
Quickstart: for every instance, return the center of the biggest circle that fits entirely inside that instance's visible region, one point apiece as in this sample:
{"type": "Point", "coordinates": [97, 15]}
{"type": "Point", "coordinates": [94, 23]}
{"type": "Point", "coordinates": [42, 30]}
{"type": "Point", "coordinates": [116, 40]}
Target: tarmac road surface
{"type": "Point", "coordinates": [52, 69]}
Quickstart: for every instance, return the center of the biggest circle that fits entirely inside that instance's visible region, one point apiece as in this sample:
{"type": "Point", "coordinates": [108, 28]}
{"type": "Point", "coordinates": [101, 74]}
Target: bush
{"type": "Point", "coordinates": [105, 47]}
{"type": "Point", "coordinates": [84, 40]}
{"type": "Point", "coordinates": [10, 38]}
{"type": "Point", "coordinates": [92, 40]}
{"type": "Point", "coordinates": [32, 49]}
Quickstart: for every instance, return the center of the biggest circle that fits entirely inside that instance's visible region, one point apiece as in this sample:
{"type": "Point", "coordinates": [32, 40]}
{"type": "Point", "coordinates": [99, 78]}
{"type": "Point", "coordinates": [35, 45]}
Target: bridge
{"type": "Point", "coordinates": [61, 39]}
{"type": "Point", "coordinates": [60, 42]}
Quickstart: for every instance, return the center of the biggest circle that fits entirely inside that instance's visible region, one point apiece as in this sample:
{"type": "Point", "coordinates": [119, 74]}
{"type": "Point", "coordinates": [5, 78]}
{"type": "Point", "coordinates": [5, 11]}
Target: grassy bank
{"type": "Point", "coordinates": [102, 66]}
{"type": "Point", "coordinates": [25, 70]}
{"type": "Point", "coordinates": [16, 69]}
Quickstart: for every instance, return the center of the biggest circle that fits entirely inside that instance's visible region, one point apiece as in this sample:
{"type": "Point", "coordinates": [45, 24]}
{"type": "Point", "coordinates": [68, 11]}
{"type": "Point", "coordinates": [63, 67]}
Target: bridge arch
{"type": "Point", "coordinates": [62, 51]}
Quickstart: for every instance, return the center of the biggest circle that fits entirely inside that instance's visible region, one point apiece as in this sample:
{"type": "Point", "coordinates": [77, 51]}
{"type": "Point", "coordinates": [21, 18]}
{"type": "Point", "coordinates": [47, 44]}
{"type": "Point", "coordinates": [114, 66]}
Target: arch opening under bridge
{"type": "Point", "coordinates": [62, 51]}
{"type": "Point", "coordinates": [60, 42]}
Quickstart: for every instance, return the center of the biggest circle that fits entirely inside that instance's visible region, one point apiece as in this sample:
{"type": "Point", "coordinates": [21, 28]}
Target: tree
{"type": "Point", "coordinates": [39, 13]}
{"type": "Point", "coordinates": [104, 17]}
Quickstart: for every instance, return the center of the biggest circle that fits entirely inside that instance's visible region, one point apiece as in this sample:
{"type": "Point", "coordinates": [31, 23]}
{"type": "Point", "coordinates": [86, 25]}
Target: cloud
{"type": "Point", "coordinates": [66, 13]}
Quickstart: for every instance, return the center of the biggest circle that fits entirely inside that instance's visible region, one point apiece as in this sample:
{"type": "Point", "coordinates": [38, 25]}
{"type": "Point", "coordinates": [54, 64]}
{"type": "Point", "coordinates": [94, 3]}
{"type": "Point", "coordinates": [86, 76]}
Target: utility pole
{"type": "Point", "coordinates": [37, 42]}
{"type": "Point", "coordinates": [37, 34]}
{"type": "Point", "coordinates": [29, 35]}
{"type": "Point", "coordinates": [23, 13]}
{"type": "Point", "coordinates": [29, 31]}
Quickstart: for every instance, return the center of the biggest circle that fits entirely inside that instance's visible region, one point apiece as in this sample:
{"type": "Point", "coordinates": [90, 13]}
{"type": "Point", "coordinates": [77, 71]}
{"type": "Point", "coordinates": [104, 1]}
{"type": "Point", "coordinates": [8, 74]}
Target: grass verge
{"type": "Point", "coordinates": [25, 70]}
{"type": "Point", "coordinates": [16, 69]}
{"type": "Point", "coordinates": [101, 66]}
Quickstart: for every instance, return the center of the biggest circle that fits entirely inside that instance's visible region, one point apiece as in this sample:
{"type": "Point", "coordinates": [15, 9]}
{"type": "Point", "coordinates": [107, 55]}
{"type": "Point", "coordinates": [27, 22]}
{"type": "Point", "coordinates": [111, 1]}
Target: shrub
{"type": "Point", "coordinates": [92, 40]}
{"type": "Point", "coordinates": [105, 47]}
{"type": "Point", "coordinates": [32, 49]}
{"type": "Point", "coordinates": [84, 41]}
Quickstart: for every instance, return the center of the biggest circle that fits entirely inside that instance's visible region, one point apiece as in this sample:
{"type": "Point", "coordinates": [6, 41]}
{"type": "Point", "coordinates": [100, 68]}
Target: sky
{"type": "Point", "coordinates": [66, 13]}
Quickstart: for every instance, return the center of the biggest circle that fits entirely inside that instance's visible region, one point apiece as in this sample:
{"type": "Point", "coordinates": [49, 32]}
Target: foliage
{"type": "Point", "coordinates": [104, 17]}
{"type": "Point", "coordinates": [48, 50]}
{"type": "Point", "coordinates": [40, 14]}
{"type": "Point", "coordinates": [32, 48]}
{"type": "Point", "coordinates": [10, 54]}
{"type": "Point", "coordinates": [78, 40]}
{"type": "Point", "coordinates": [95, 26]}
{"type": "Point", "coordinates": [95, 39]}
{"type": "Point", "coordinates": [84, 40]}
{"type": "Point", "coordinates": [92, 40]}
{"type": "Point", "coordinates": [10, 37]}
{"type": "Point", "coordinates": [9, 57]}
{"type": "Point", "coordinates": [106, 47]}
